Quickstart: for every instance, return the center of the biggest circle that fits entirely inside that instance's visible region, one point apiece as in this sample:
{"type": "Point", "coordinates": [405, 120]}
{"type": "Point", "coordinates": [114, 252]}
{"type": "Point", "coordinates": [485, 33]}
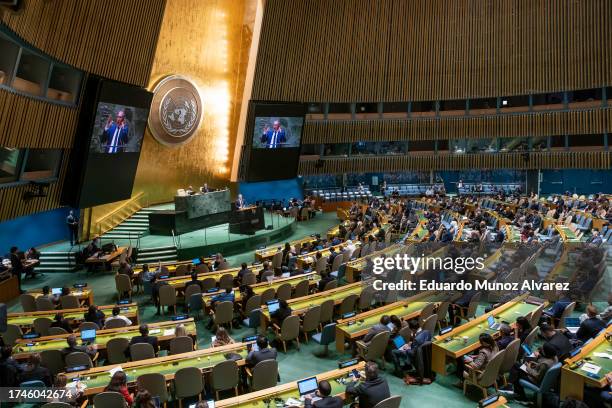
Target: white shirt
{"type": "Point", "coordinates": [273, 140]}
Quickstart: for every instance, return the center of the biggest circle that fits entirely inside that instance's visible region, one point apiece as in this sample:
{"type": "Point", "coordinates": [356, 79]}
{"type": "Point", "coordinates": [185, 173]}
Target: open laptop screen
{"type": "Point", "coordinates": [307, 386]}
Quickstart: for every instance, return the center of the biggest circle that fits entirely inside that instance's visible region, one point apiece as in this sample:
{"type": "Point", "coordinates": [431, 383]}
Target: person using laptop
{"type": "Point", "coordinates": [227, 296]}
{"type": "Point", "coordinates": [591, 325]}
{"type": "Point", "coordinates": [73, 347]}
{"type": "Point", "coordinates": [280, 314]}
{"type": "Point", "coordinates": [506, 336]}
{"type": "Point", "coordinates": [381, 326]}
{"type": "Point", "coordinates": [370, 391]}
{"type": "Point", "coordinates": [145, 338]}
{"type": "Point", "coordinates": [325, 399]}
{"type": "Point", "coordinates": [404, 355]}
{"type": "Point", "coordinates": [94, 315]}
{"type": "Point", "coordinates": [46, 293]}
{"type": "Point", "coordinates": [533, 371]}
{"type": "Point", "coordinates": [558, 339]}
{"type": "Point", "coordinates": [261, 352]}
{"type": "Point", "coordinates": [118, 316]}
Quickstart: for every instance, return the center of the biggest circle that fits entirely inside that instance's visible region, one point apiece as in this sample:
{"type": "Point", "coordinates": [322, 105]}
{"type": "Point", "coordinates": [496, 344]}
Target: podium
{"type": "Point", "coordinates": [246, 220]}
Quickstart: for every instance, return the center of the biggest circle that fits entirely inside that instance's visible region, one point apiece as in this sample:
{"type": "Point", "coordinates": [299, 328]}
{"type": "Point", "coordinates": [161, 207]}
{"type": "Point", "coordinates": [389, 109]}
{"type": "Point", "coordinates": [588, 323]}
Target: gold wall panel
{"type": "Point", "coordinates": [593, 121]}
{"type": "Point", "coordinates": [112, 38]}
{"type": "Point", "coordinates": [407, 50]}
{"type": "Point", "coordinates": [552, 160]}
{"type": "Point", "coordinates": [206, 41]}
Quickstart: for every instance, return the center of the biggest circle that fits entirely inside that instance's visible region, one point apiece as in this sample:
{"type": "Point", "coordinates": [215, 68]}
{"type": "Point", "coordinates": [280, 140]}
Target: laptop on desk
{"type": "Point", "coordinates": [273, 306]}
{"type": "Point", "coordinates": [493, 325]}
{"type": "Point", "coordinates": [572, 324]}
{"type": "Point", "coordinates": [308, 387]}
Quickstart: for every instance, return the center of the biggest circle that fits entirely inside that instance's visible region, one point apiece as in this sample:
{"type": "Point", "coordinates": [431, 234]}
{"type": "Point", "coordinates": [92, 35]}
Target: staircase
{"type": "Point", "coordinates": [134, 227]}
{"type": "Point", "coordinates": [152, 255]}
{"type": "Point", "coordinates": [57, 262]}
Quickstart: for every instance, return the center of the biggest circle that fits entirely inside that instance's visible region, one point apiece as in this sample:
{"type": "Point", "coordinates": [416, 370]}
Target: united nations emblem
{"type": "Point", "coordinates": [176, 111]}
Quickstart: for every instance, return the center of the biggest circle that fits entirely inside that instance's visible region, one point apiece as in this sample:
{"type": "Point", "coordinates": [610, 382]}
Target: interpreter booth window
{"type": "Point", "coordinates": [32, 74]}
{"type": "Point", "coordinates": [316, 111]}
{"type": "Point", "coordinates": [481, 145]}
{"type": "Point", "coordinates": [423, 108]}
{"type": "Point", "coordinates": [10, 164]}
{"type": "Point", "coordinates": [366, 111]}
{"type": "Point", "coordinates": [513, 144]}
{"type": "Point", "coordinates": [452, 108]}
{"type": "Point", "coordinates": [336, 149]}
{"type": "Point", "coordinates": [64, 84]}
{"type": "Point", "coordinates": [484, 106]}
{"type": "Point", "coordinates": [364, 148]}
{"type": "Point", "coordinates": [510, 104]}
{"type": "Point", "coordinates": [557, 142]}
{"type": "Point", "coordinates": [339, 111]}
{"type": "Point", "coordinates": [395, 107]}
{"type": "Point", "coordinates": [9, 52]}
{"type": "Point", "coordinates": [547, 101]}
{"type": "Point", "coordinates": [586, 142]}
{"type": "Point", "coordinates": [422, 146]}
{"type": "Point", "coordinates": [41, 164]}
{"type": "Point", "coordinates": [585, 98]}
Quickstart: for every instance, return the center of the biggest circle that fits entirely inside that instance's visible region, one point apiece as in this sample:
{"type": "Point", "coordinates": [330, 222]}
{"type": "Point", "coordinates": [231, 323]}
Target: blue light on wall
{"type": "Point", "coordinates": [34, 230]}
{"type": "Point", "coordinates": [278, 190]}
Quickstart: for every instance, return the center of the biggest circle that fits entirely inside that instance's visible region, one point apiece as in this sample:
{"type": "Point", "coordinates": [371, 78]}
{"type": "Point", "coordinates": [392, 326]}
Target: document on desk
{"type": "Point", "coordinates": [603, 355]}
{"type": "Point", "coordinates": [169, 332]}
{"type": "Point", "coordinates": [590, 368]}
{"type": "Point", "coordinates": [154, 331]}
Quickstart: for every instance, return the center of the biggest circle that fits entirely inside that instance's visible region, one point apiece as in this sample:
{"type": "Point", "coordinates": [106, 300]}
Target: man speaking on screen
{"type": "Point", "coordinates": [274, 137]}
{"type": "Point", "coordinates": [115, 135]}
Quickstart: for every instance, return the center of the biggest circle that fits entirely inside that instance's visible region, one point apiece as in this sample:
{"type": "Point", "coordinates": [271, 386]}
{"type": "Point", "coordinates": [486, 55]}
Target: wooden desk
{"type": "Point", "coordinates": [459, 346]}
{"type": "Point", "coordinates": [9, 289]}
{"type": "Point", "coordinates": [171, 266]}
{"type": "Point", "coordinates": [85, 295]}
{"type": "Point", "coordinates": [97, 378]}
{"type": "Point", "coordinates": [26, 319]}
{"type": "Point", "coordinates": [179, 282]}
{"type": "Point", "coordinates": [310, 258]}
{"type": "Point", "coordinates": [312, 277]}
{"type": "Point", "coordinates": [355, 327]}
{"type": "Point", "coordinates": [106, 259]}
{"type": "Point", "coordinates": [267, 254]}
{"type": "Point", "coordinates": [259, 399]}
{"type": "Point", "coordinates": [355, 267]}
{"type": "Point", "coordinates": [567, 234]}
{"type": "Point", "coordinates": [164, 331]}
{"type": "Point", "coordinates": [573, 381]}
{"type": "Point", "coordinates": [300, 305]}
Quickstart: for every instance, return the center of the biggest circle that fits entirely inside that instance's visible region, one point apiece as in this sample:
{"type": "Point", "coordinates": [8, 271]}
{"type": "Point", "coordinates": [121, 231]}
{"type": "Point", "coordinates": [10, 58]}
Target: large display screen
{"type": "Point", "coordinates": [118, 128]}
{"type": "Point", "coordinates": [277, 134]}
{"type": "Point", "coordinates": [107, 143]}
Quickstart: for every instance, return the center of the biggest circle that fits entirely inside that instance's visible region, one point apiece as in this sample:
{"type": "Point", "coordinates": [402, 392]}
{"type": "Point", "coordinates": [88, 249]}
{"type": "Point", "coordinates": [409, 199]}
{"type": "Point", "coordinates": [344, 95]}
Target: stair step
{"type": "Point", "coordinates": [56, 269]}
{"type": "Point", "coordinates": [157, 248]}
{"type": "Point", "coordinates": [145, 259]}
{"type": "Point", "coordinates": [136, 222]}
{"type": "Point", "coordinates": [151, 253]}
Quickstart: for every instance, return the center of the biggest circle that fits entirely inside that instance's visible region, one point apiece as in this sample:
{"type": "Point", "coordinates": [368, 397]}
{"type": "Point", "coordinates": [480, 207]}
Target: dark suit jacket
{"type": "Point", "coordinates": [369, 392]}
{"type": "Point", "coordinates": [122, 139]}
{"type": "Point", "coordinates": [38, 373]}
{"type": "Point", "coordinates": [562, 343]}
{"type": "Point", "coordinates": [589, 328]}
{"type": "Point", "coordinates": [280, 137]}
{"type": "Point", "coordinates": [258, 356]}
{"type": "Point", "coordinates": [326, 402]}
{"type": "Point", "coordinates": [377, 328]}
{"type": "Point", "coordinates": [152, 340]}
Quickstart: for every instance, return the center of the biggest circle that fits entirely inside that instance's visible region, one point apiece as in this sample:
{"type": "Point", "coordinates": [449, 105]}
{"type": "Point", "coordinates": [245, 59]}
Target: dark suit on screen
{"type": "Point", "coordinates": [121, 138]}
{"type": "Point", "coordinates": [273, 138]}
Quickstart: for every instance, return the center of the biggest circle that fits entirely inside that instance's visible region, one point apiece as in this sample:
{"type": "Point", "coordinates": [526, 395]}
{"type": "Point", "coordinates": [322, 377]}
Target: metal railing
{"type": "Point", "coordinates": [121, 213]}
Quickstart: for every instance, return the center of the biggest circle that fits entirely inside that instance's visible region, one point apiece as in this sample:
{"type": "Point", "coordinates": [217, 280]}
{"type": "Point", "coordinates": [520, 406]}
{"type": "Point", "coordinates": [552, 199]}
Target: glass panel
{"type": "Point", "coordinates": [10, 163]}
{"type": "Point", "coordinates": [395, 107]}
{"type": "Point", "coordinates": [64, 84]}
{"type": "Point", "coordinates": [336, 149]}
{"type": "Point", "coordinates": [452, 105]}
{"type": "Point", "coordinates": [584, 95]}
{"type": "Point", "coordinates": [513, 144]}
{"type": "Point", "coordinates": [41, 164]}
{"type": "Point", "coordinates": [424, 106]}
{"type": "Point", "coordinates": [481, 145]}
{"type": "Point", "coordinates": [32, 74]}
{"type": "Point", "coordinates": [8, 58]}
